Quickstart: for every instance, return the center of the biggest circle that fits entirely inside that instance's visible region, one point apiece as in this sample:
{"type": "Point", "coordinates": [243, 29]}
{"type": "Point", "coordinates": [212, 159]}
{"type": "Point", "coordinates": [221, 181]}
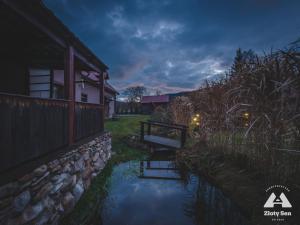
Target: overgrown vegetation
{"type": "Point", "coordinates": [179, 111]}
{"type": "Point", "coordinates": [249, 133]}
{"type": "Point", "coordinates": [248, 129]}
{"type": "Point", "coordinates": [87, 209]}
{"type": "Point", "coordinates": [255, 112]}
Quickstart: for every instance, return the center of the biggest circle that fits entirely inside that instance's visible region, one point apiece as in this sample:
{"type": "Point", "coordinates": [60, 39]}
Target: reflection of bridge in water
{"type": "Point", "coordinates": [159, 170]}
{"type": "Point", "coordinates": [156, 191]}
{"type": "Point", "coordinates": [203, 202]}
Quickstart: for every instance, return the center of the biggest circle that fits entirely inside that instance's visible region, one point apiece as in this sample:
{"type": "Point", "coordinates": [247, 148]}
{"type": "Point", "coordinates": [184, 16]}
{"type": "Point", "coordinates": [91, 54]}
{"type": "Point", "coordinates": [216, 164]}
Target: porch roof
{"type": "Point", "coordinates": [108, 87]}
{"type": "Point", "coordinates": [43, 19]}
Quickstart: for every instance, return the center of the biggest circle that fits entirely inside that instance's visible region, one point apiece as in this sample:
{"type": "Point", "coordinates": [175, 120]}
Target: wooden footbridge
{"type": "Point", "coordinates": [157, 140]}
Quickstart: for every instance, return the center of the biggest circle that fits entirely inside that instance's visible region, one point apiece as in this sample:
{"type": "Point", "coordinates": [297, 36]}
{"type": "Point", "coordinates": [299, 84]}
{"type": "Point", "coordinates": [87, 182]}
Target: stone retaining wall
{"type": "Point", "coordinates": [52, 190]}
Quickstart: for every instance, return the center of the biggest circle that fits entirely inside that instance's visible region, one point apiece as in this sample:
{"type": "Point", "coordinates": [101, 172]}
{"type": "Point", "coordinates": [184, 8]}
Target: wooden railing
{"type": "Point", "coordinates": [156, 139]}
{"type": "Point", "coordinates": [88, 119]}
{"type": "Point", "coordinates": [30, 127]}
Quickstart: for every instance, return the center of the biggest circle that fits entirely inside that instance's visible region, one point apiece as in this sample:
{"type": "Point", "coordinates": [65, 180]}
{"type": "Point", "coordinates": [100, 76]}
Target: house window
{"type": "Point", "coordinates": [58, 91]}
{"type": "Point", "coordinates": [84, 97]}
{"type": "Point", "coordinates": [40, 83]}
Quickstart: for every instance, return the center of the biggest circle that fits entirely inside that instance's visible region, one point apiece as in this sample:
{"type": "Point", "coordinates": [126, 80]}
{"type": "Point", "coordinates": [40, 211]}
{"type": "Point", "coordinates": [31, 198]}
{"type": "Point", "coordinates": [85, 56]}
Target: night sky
{"type": "Point", "coordinates": [174, 45]}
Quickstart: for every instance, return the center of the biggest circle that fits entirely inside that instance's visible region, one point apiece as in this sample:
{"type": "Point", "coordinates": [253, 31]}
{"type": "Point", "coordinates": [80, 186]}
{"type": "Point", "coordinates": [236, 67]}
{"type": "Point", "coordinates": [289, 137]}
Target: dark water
{"type": "Point", "coordinates": [155, 193]}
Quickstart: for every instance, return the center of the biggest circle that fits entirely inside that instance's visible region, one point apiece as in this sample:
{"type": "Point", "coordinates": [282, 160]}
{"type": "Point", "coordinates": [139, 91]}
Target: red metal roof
{"type": "Point", "coordinates": [155, 99]}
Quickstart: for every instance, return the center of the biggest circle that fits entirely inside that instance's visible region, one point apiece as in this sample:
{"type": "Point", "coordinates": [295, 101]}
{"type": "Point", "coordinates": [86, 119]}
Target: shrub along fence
{"type": "Point", "coordinates": [128, 108]}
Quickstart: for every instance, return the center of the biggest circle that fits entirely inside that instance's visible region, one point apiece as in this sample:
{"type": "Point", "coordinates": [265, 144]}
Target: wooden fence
{"type": "Point", "coordinates": [128, 108]}
{"type": "Point", "coordinates": [34, 127]}
{"type": "Point", "coordinates": [30, 127]}
{"type": "Point", "coordinates": [88, 119]}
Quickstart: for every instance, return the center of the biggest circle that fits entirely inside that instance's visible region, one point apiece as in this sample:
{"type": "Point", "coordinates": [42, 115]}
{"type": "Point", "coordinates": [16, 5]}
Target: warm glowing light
{"type": "Point", "coordinates": [195, 119]}
{"type": "Point", "coordinates": [197, 115]}
{"type": "Point", "coordinates": [197, 123]}
{"type": "Point", "coordinates": [246, 114]}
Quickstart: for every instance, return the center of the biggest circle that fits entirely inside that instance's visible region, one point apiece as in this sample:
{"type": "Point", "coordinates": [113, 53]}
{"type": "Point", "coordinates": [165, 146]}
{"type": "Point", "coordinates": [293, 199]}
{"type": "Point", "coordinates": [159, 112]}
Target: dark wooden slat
{"type": "Point", "coordinates": [70, 90]}
{"type": "Point", "coordinates": [88, 119]}
{"type": "Point", "coordinates": [101, 97]}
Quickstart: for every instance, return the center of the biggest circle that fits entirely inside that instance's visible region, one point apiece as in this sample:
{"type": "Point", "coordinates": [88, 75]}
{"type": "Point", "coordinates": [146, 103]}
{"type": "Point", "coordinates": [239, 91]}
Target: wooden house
{"type": "Point", "coordinates": [149, 103]}
{"type": "Point", "coordinates": [51, 88]}
{"type": "Point", "coordinates": [110, 94]}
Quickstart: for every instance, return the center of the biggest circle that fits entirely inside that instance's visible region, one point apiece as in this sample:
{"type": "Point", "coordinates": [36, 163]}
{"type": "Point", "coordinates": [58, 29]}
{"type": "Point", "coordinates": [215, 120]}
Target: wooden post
{"type": "Point", "coordinates": [149, 129]}
{"type": "Point", "coordinates": [51, 83]}
{"type": "Point", "coordinates": [115, 104]}
{"type": "Point", "coordinates": [183, 137]}
{"type": "Point", "coordinates": [70, 91]}
{"type": "Point", "coordinates": [141, 168]}
{"type": "Point", "coordinates": [142, 131]}
{"type": "Point", "coordinates": [101, 97]}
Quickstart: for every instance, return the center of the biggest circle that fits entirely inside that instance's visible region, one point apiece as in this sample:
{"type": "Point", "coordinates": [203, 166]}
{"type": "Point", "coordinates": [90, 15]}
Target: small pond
{"type": "Point", "coordinates": [155, 192]}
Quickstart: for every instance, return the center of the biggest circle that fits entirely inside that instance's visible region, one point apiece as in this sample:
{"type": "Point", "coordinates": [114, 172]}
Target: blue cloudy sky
{"type": "Point", "coordinates": [173, 45]}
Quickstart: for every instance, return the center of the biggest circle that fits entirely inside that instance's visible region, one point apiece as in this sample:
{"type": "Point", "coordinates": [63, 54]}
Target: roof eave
{"type": "Point", "coordinates": [47, 22]}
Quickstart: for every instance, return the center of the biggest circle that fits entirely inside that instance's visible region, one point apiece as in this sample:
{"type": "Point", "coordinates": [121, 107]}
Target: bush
{"type": "Point", "coordinates": [182, 110]}
{"type": "Point", "coordinates": [161, 114]}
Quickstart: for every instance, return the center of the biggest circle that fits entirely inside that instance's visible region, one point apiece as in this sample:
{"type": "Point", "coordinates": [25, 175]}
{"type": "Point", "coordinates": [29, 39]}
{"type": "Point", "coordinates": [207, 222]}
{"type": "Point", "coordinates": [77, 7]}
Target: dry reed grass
{"type": "Point", "coordinates": [253, 113]}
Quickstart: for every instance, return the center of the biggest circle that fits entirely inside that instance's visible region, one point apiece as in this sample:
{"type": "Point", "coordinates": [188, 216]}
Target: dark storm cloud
{"type": "Point", "coordinates": [173, 45]}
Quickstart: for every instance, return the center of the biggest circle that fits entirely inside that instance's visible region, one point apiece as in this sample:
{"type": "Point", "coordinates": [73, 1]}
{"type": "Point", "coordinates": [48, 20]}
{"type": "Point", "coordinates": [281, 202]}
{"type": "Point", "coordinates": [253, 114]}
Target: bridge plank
{"type": "Point", "coordinates": [162, 141]}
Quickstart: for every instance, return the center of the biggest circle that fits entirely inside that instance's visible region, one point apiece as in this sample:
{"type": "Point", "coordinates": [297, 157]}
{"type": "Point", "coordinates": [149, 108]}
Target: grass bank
{"type": "Point", "coordinates": [87, 209]}
{"type": "Point", "coordinates": [244, 185]}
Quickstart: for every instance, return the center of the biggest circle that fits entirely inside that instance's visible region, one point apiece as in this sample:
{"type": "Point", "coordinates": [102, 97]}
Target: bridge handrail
{"type": "Point", "coordinates": [168, 125]}
{"type": "Point", "coordinates": [182, 128]}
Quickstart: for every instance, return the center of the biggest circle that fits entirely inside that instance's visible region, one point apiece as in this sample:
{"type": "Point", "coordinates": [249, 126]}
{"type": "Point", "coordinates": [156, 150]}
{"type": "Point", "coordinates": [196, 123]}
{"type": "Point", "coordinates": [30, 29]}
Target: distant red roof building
{"type": "Point", "coordinates": [155, 99]}
{"type": "Point", "coordinates": [149, 103]}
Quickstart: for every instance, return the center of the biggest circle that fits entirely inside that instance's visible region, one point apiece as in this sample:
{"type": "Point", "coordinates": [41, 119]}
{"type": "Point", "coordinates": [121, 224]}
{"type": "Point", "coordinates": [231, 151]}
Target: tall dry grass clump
{"type": "Point", "coordinates": [179, 111]}
{"type": "Point", "coordinates": [255, 112]}
{"type": "Point", "coordinates": [182, 110]}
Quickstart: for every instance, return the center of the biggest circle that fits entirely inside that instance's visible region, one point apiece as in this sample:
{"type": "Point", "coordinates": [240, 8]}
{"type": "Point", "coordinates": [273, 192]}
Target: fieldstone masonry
{"type": "Point", "coordinates": [52, 190]}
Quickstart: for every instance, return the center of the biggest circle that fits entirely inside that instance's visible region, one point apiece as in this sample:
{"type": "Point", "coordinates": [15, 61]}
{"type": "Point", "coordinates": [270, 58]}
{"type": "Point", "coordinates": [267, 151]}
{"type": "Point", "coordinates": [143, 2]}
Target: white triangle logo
{"type": "Point", "coordinates": [281, 200]}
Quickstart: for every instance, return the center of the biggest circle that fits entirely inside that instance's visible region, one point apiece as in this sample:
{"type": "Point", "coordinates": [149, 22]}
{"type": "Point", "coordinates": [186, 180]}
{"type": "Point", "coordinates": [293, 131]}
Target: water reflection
{"type": "Point", "coordinates": [153, 192]}
{"type": "Point", "coordinates": [158, 170]}
{"type": "Point", "coordinates": [208, 205]}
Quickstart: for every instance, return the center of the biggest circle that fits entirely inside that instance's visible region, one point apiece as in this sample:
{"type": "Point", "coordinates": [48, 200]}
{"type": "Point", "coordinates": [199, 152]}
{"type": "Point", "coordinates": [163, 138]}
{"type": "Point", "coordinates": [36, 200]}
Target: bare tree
{"type": "Point", "coordinates": [134, 96]}
{"type": "Point", "coordinates": [135, 93]}
{"type": "Point", "coordinates": [158, 92]}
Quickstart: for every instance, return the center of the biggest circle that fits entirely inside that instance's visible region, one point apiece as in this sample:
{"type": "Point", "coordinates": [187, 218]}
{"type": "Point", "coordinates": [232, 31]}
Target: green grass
{"type": "Point", "coordinates": [125, 125]}
{"type": "Point", "coordinates": [87, 208]}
